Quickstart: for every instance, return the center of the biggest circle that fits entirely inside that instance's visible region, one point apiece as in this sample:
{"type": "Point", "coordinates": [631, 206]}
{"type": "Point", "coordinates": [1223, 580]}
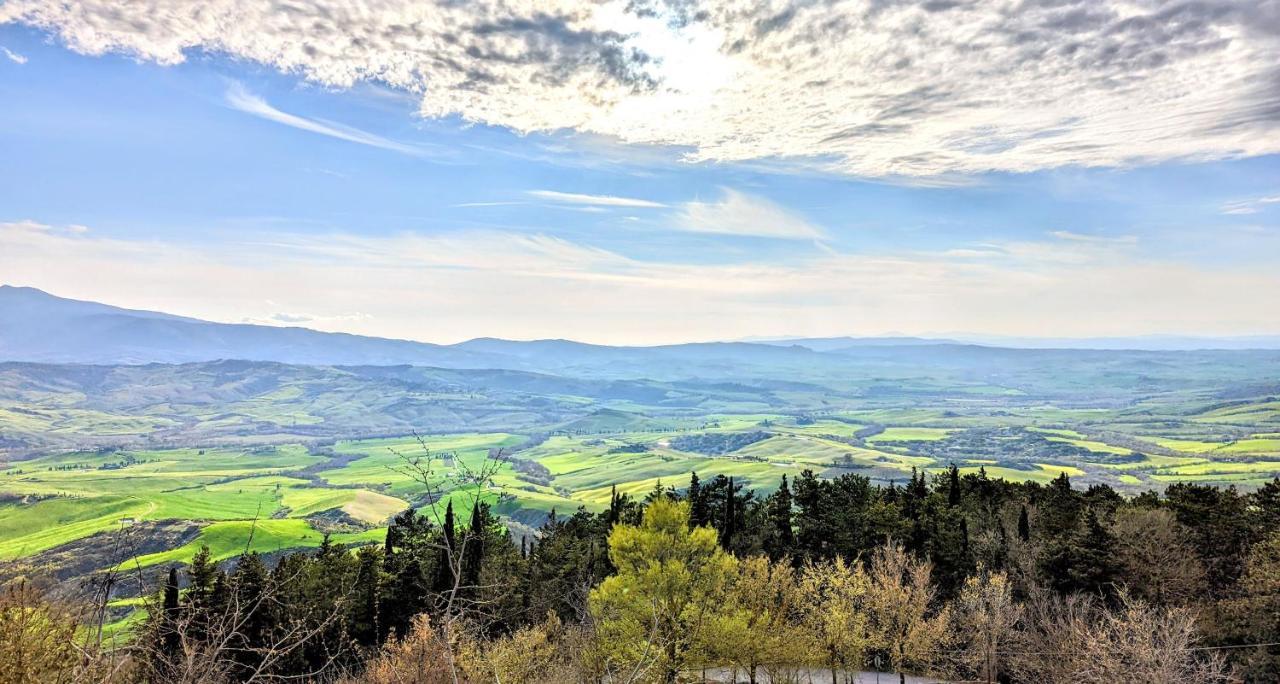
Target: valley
{"type": "Point", "coordinates": [133, 467]}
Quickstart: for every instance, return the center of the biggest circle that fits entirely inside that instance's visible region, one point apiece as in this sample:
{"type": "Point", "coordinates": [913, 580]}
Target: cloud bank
{"type": "Point", "coordinates": [866, 87]}
{"type": "Point", "coordinates": [487, 283]}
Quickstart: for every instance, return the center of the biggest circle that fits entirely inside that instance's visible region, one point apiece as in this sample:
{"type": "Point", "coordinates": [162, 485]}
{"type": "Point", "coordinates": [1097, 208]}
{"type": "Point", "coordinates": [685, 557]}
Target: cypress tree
{"type": "Point", "coordinates": [615, 507]}
{"type": "Point", "coordinates": [171, 593]}
{"type": "Point", "coordinates": [170, 641]}
{"type": "Point", "coordinates": [697, 502]}
{"type": "Point", "coordinates": [730, 516]}
{"type": "Point", "coordinates": [953, 493]}
{"type": "Point", "coordinates": [473, 555]}
{"type": "Point", "coordinates": [1024, 525]}
{"type": "Point", "coordinates": [445, 559]}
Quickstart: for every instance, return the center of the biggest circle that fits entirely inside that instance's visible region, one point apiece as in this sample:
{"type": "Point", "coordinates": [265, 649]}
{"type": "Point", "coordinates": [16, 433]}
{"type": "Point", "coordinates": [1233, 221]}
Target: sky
{"type": "Point", "coordinates": [646, 171]}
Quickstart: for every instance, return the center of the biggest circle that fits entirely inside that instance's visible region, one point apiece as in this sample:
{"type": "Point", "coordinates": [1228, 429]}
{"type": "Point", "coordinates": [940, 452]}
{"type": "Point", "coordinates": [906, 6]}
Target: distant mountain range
{"type": "Point", "coordinates": [1131, 343]}
{"type": "Point", "coordinates": [36, 326]}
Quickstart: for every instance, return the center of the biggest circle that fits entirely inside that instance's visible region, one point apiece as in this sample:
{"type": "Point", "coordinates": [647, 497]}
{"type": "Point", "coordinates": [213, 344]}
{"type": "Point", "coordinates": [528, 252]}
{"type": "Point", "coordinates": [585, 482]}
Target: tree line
{"type": "Point", "coordinates": [963, 577]}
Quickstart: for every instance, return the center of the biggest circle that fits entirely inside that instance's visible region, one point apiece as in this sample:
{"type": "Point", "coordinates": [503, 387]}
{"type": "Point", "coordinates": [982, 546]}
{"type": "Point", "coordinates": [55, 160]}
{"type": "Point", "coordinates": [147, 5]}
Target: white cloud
{"type": "Point", "coordinates": [738, 213]}
{"type": "Point", "coordinates": [13, 56]}
{"type": "Point", "coordinates": [457, 286]}
{"type": "Point", "coordinates": [243, 100]}
{"type": "Point", "coordinates": [1103, 239]}
{"type": "Point", "coordinates": [1249, 206]}
{"type": "Point", "coordinates": [593, 200]}
{"type": "Point", "coordinates": [864, 87]}
{"type": "Point", "coordinates": [305, 319]}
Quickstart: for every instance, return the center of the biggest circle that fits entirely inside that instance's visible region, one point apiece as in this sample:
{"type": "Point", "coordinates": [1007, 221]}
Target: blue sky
{"type": "Point", "coordinates": [237, 189]}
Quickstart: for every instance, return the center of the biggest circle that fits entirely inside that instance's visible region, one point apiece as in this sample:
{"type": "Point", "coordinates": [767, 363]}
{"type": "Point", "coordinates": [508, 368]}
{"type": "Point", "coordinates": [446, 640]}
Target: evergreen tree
{"type": "Point", "coordinates": [730, 517]}
{"type": "Point", "coordinates": [671, 577]}
{"type": "Point", "coordinates": [250, 592]}
{"type": "Point", "coordinates": [953, 486]}
{"type": "Point", "coordinates": [473, 554]}
{"type": "Point", "coordinates": [1084, 561]}
{"type": "Point", "coordinates": [171, 593]}
{"type": "Point", "coordinates": [615, 506]}
{"type": "Point", "coordinates": [170, 642]}
{"type": "Point", "coordinates": [446, 559]}
{"type": "Point", "coordinates": [697, 502]}
{"type": "Point", "coordinates": [1024, 525]}
{"type": "Point", "coordinates": [366, 627]}
{"type": "Point", "coordinates": [1222, 528]}
{"type": "Point", "coordinates": [405, 597]}
{"type": "Point", "coordinates": [780, 540]}
{"type": "Point", "coordinates": [203, 573]}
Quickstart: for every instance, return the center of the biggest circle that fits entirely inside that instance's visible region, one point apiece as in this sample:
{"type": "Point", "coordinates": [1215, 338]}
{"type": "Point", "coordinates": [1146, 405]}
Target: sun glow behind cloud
{"type": "Point", "coordinates": [856, 86]}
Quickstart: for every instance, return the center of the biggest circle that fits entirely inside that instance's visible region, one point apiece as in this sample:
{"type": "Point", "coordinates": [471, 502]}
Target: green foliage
{"type": "Point", "coordinates": [670, 579]}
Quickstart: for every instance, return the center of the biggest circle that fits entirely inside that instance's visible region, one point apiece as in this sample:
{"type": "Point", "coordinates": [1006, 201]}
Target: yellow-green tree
{"type": "Point", "coordinates": [985, 616]}
{"type": "Point", "coordinates": [898, 601]}
{"type": "Point", "coordinates": [670, 579]}
{"type": "Point", "coordinates": [755, 627]}
{"type": "Point", "coordinates": [830, 596]}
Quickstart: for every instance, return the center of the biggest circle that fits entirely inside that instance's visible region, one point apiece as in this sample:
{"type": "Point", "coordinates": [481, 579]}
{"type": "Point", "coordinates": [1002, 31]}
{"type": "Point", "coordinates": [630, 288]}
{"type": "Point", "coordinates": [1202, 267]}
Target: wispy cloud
{"type": "Point", "coordinates": [13, 56]}
{"type": "Point", "coordinates": [239, 98]}
{"type": "Point", "coordinates": [737, 213]}
{"type": "Point", "coordinates": [593, 200]}
{"type": "Point", "coordinates": [1097, 239]}
{"type": "Point", "coordinates": [1249, 206]}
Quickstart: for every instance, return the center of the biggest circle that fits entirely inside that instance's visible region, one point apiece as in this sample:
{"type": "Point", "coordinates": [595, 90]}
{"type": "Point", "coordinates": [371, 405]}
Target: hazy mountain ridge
{"type": "Point", "coordinates": [38, 327]}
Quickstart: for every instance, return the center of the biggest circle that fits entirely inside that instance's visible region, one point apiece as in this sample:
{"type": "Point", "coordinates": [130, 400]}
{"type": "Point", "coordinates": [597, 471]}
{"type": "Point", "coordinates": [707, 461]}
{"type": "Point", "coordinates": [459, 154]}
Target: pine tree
{"type": "Point", "coordinates": [1084, 561]}
{"type": "Point", "coordinates": [405, 598]}
{"type": "Point", "coordinates": [203, 573]}
{"type": "Point", "coordinates": [669, 576]}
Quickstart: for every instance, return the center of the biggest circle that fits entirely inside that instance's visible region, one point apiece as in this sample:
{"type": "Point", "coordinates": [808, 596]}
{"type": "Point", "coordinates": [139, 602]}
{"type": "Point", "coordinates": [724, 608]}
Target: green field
{"type": "Point", "coordinates": [286, 495]}
{"type": "Point", "coordinates": [232, 491]}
